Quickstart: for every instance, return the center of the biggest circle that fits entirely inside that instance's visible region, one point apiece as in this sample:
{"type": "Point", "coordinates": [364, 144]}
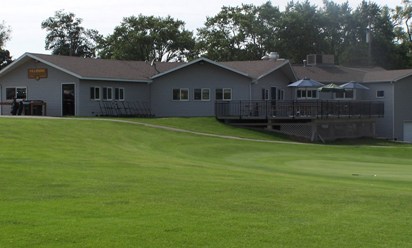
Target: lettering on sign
{"type": "Point", "coordinates": [37, 73]}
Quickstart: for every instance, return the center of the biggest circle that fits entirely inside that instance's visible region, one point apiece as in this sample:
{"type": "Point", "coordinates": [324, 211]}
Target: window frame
{"type": "Point", "coordinates": [380, 96]}
{"type": "Point", "coordinates": [202, 93]}
{"type": "Point", "coordinates": [16, 93]}
{"type": "Point", "coordinates": [307, 94]}
{"type": "Point", "coordinates": [107, 93]}
{"type": "Point", "coordinates": [93, 91]}
{"type": "Point", "coordinates": [345, 95]}
{"type": "Point", "coordinates": [119, 94]}
{"type": "Point", "coordinates": [223, 92]}
{"type": "Point", "coordinates": [181, 92]}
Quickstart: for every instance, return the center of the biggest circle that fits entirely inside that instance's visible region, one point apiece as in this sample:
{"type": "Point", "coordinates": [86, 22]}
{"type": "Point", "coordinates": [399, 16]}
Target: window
{"type": "Point", "coordinates": [201, 94]}
{"type": "Point", "coordinates": [107, 93]}
{"type": "Point", "coordinates": [119, 94]}
{"type": "Point", "coordinates": [281, 94]}
{"type": "Point", "coordinates": [224, 94]}
{"type": "Point", "coordinates": [181, 94]}
{"type": "Point", "coordinates": [265, 94]}
{"type": "Point", "coordinates": [16, 92]}
{"type": "Point", "coordinates": [347, 94]}
{"type": "Point", "coordinates": [94, 93]}
{"type": "Point", "coordinates": [306, 94]}
{"type": "Point", "coordinates": [380, 94]}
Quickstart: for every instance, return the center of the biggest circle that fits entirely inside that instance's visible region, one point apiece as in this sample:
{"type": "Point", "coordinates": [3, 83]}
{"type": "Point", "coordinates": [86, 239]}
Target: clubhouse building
{"type": "Point", "coordinates": [249, 93]}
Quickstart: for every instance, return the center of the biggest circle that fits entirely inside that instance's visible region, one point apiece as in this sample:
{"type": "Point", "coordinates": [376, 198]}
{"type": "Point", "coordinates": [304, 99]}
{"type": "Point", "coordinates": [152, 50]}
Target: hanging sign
{"type": "Point", "coordinates": [37, 73]}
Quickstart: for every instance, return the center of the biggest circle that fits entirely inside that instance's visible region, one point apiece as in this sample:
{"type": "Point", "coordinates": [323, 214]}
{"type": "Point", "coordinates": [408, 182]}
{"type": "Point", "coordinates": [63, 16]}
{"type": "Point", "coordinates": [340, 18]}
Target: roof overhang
{"type": "Point", "coordinates": [285, 66]}
{"type": "Point", "coordinates": [199, 60]}
{"type": "Point", "coordinates": [28, 56]}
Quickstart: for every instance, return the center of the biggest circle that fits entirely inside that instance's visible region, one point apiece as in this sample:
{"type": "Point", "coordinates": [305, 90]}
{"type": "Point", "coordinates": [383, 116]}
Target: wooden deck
{"type": "Point", "coordinates": [295, 110]}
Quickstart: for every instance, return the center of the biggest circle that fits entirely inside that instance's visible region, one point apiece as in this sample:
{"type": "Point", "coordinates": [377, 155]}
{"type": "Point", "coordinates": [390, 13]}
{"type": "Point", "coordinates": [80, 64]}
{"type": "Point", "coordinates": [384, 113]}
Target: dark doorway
{"type": "Point", "coordinates": [273, 98]}
{"type": "Point", "coordinates": [68, 94]}
{"type": "Point", "coordinates": [273, 91]}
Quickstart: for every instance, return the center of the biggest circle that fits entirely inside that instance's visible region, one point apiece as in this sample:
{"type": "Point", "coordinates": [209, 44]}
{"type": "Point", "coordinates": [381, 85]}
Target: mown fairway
{"type": "Point", "coordinates": [89, 183]}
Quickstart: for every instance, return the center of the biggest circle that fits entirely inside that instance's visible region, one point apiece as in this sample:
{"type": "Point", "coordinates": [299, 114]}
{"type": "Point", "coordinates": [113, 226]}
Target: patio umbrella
{"type": "Point", "coordinates": [331, 88]}
{"type": "Point", "coordinates": [306, 83]}
{"type": "Point", "coordinates": [352, 85]}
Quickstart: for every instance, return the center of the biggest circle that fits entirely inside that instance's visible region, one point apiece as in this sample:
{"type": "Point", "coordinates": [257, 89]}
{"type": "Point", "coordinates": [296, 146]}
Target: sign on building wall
{"type": "Point", "coordinates": [37, 73]}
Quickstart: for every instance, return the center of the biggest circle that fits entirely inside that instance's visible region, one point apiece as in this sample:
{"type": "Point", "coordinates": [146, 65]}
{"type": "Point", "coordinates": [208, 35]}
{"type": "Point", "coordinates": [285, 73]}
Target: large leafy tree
{"type": "Point", "coordinates": [301, 31]}
{"type": "Point", "coordinates": [370, 37]}
{"type": "Point", "coordinates": [66, 36]}
{"type": "Point", "coordinates": [240, 33]}
{"type": "Point", "coordinates": [335, 21]}
{"type": "Point", "coordinates": [402, 19]}
{"type": "Point", "coordinates": [5, 57]}
{"type": "Point", "coordinates": [148, 38]}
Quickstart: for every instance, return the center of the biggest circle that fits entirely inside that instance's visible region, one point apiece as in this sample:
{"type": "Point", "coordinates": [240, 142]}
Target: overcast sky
{"type": "Point", "coordinates": [25, 17]}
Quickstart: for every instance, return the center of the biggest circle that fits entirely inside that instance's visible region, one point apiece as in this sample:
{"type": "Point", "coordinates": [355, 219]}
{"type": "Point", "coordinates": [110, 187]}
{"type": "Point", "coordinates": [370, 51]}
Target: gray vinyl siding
{"type": "Point", "coordinates": [403, 103]}
{"type": "Point", "coordinates": [384, 126]}
{"type": "Point", "coordinates": [87, 107]}
{"type": "Point", "coordinates": [46, 89]}
{"type": "Point", "coordinates": [276, 79]}
{"type": "Point", "coordinates": [196, 76]}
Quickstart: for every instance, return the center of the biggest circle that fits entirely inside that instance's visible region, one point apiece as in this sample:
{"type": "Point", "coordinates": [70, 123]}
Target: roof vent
{"type": "Point", "coordinates": [271, 56]}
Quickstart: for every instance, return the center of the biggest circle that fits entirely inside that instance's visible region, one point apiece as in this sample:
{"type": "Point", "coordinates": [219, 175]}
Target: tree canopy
{"type": "Point", "coordinates": [5, 57]}
{"type": "Point", "coordinates": [66, 36]}
{"type": "Point", "coordinates": [239, 33]}
{"type": "Point", "coordinates": [248, 32]}
{"type": "Point", "coordinates": [368, 35]}
{"type": "Point", "coordinates": [148, 38]}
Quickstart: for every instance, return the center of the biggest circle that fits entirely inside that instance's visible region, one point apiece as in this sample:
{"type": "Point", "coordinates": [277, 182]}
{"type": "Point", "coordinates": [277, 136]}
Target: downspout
{"type": "Point", "coordinates": [1, 99]}
{"type": "Point", "coordinates": [393, 110]}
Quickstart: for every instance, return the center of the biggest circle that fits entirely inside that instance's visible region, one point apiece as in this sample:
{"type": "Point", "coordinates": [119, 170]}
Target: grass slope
{"type": "Point", "coordinates": [78, 183]}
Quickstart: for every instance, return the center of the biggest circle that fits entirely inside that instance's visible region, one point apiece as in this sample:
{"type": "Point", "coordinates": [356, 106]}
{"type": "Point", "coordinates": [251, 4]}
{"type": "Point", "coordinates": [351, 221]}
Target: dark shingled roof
{"type": "Point", "coordinates": [255, 68]}
{"type": "Point", "coordinates": [88, 68]}
{"type": "Point", "coordinates": [341, 74]}
{"type": "Point", "coordinates": [141, 71]}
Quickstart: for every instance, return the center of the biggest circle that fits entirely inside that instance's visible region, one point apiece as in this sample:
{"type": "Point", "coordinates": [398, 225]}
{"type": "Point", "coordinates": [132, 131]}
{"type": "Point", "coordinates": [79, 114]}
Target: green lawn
{"type": "Point", "coordinates": [89, 183]}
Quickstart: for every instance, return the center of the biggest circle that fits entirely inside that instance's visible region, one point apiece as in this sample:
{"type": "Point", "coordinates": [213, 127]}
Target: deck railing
{"type": "Point", "coordinates": [292, 109]}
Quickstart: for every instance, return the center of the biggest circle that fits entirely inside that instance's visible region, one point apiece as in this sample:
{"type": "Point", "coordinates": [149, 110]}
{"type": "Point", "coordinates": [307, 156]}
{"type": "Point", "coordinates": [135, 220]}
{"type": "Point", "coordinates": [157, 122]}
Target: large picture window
{"type": "Point", "coordinates": [95, 93]}
{"type": "Point", "coordinates": [16, 92]}
{"type": "Point", "coordinates": [181, 94]}
{"type": "Point", "coordinates": [307, 94]}
{"type": "Point", "coordinates": [224, 94]}
{"type": "Point", "coordinates": [347, 94]}
{"type": "Point", "coordinates": [201, 94]}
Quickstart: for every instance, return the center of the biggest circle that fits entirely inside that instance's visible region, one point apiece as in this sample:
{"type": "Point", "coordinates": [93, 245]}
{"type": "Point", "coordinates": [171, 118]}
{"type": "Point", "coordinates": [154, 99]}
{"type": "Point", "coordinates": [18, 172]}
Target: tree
{"type": "Point", "coordinates": [335, 19]}
{"type": "Point", "coordinates": [148, 38]}
{"type": "Point", "coordinates": [370, 38]}
{"type": "Point", "coordinates": [402, 19]}
{"type": "Point", "coordinates": [4, 34]}
{"type": "Point", "coordinates": [301, 31]}
{"type": "Point", "coordinates": [5, 57]}
{"type": "Point", "coordinates": [240, 33]}
{"type": "Point", "coordinates": [66, 36]}
{"type": "Point", "coordinates": [402, 16]}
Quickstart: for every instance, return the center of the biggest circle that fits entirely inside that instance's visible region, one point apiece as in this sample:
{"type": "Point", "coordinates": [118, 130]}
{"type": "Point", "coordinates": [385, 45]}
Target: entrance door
{"type": "Point", "coordinates": [407, 132]}
{"type": "Point", "coordinates": [273, 92]}
{"type": "Point", "coordinates": [68, 99]}
{"type": "Point", "coordinates": [273, 97]}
